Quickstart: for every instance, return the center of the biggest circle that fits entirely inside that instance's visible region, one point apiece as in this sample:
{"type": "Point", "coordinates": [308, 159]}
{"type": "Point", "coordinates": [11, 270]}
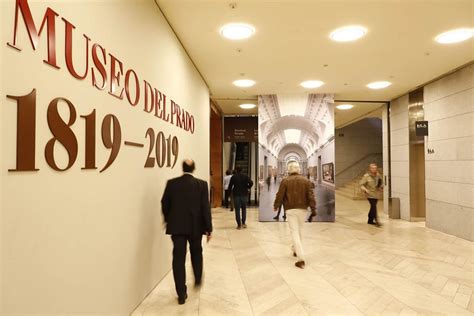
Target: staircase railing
{"type": "Point", "coordinates": [359, 160]}
{"type": "Point", "coordinates": [362, 164]}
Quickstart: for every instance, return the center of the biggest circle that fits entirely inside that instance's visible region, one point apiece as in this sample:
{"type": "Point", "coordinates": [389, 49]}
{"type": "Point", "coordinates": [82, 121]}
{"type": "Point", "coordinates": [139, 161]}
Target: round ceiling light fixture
{"type": "Point", "coordinates": [247, 106]}
{"type": "Point", "coordinates": [311, 84]}
{"type": "Point", "coordinates": [348, 33]}
{"type": "Point", "coordinates": [344, 106]}
{"type": "Point", "coordinates": [237, 31]}
{"type": "Point", "coordinates": [455, 36]}
{"type": "Point", "coordinates": [243, 83]}
{"type": "Point", "coordinates": [378, 85]}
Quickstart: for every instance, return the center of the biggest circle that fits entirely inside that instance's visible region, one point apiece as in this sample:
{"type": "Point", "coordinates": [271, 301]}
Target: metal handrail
{"type": "Point", "coordinates": [358, 161]}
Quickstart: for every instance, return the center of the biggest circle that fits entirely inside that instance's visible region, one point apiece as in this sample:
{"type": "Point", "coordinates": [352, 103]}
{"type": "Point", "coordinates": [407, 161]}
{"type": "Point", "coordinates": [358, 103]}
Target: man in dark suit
{"type": "Point", "coordinates": [185, 206]}
{"type": "Point", "coordinates": [240, 185]}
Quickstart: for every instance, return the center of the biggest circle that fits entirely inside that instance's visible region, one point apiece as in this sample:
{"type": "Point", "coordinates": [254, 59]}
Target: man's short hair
{"type": "Point", "coordinates": [188, 165]}
{"type": "Point", "coordinates": [238, 169]}
{"type": "Point", "coordinates": [293, 167]}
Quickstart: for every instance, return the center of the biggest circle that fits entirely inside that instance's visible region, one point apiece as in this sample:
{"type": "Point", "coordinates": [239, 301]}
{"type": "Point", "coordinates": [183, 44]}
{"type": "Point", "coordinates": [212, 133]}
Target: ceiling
{"type": "Point", "coordinates": [291, 45]}
{"type": "Point", "coordinates": [359, 111]}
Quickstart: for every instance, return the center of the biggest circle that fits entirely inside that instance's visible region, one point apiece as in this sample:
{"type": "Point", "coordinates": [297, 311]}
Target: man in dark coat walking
{"type": "Point", "coordinates": [187, 213]}
{"type": "Point", "coordinates": [240, 185]}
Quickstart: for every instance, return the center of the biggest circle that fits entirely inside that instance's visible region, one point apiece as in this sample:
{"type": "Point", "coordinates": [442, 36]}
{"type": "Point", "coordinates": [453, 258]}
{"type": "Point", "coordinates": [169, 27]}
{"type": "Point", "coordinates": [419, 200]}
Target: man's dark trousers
{"type": "Point", "coordinates": [179, 259]}
{"type": "Point", "coordinates": [372, 211]}
{"type": "Point", "coordinates": [240, 202]}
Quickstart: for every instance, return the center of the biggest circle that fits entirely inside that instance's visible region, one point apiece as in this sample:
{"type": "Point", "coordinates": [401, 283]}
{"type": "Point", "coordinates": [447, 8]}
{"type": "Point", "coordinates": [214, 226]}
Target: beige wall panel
{"type": "Point", "coordinates": [81, 241]}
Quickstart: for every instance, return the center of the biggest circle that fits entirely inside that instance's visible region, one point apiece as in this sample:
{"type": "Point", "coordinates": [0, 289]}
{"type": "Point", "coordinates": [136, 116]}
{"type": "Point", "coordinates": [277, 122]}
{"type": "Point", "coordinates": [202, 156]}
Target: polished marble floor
{"type": "Point", "coordinates": [352, 268]}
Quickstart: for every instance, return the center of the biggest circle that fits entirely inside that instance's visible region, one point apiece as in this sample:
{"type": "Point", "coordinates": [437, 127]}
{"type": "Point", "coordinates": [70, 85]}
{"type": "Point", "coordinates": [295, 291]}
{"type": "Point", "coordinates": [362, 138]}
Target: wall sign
{"type": "Point", "coordinates": [241, 129]}
{"type": "Point", "coordinates": [421, 128]}
{"type": "Point", "coordinates": [106, 73]}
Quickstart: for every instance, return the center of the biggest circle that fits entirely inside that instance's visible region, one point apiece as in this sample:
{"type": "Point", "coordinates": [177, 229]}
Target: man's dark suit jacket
{"type": "Point", "coordinates": [240, 184]}
{"type": "Point", "coordinates": [185, 206]}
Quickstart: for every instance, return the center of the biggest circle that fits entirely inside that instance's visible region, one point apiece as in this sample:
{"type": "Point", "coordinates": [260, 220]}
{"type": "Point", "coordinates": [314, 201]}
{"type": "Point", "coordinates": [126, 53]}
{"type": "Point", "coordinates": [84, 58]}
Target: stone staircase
{"type": "Point", "coordinates": [352, 190]}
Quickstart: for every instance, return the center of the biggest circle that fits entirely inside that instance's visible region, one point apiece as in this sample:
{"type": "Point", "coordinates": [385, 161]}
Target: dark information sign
{"type": "Point", "coordinates": [241, 129]}
{"type": "Point", "coordinates": [421, 128]}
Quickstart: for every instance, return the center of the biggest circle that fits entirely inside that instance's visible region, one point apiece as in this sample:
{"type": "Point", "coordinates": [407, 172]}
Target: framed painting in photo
{"type": "Point", "coordinates": [328, 172]}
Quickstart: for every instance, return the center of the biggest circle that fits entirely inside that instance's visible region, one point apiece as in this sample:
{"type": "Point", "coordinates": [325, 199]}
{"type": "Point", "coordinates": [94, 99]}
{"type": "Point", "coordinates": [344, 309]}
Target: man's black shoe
{"type": "Point", "coordinates": [182, 300]}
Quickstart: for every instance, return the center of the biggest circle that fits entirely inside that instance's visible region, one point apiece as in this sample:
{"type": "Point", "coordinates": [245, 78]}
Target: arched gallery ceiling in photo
{"type": "Point", "coordinates": [294, 126]}
{"type": "Point", "coordinates": [292, 43]}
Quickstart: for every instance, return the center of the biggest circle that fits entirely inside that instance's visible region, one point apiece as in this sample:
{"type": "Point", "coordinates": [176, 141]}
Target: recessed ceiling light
{"type": "Point", "coordinates": [247, 106]}
{"type": "Point", "coordinates": [379, 84]}
{"type": "Point", "coordinates": [348, 33]}
{"type": "Point", "coordinates": [311, 84]}
{"type": "Point", "coordinates": [344, 106]}
{"type": "Point", "coordinates": [237, 31]}
{"type": "Point", "coordinates": [455, 36]}
{"type": "Point", "coordinates": [243, 83]}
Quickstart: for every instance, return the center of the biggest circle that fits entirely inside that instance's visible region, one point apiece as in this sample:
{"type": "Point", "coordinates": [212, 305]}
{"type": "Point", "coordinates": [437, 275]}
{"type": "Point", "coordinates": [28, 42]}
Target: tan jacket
{"type": "Point", "coordinates": [372, 184]}
{"type": "Point", "coordinates": [295, 191]}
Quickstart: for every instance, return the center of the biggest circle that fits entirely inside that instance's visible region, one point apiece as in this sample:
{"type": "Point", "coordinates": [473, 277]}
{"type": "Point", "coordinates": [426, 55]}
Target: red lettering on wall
{"type": "Point", "coordinates": [161, 103]}
{"type": "Point", "coordinates": [115, 77]}
{"type": "Point", "coordinates": [174, 110]}
{"type": "Point", "coordinates": [100, 67]}
{"type": "Point", "coordinates": [151, 102]}
{"type": "Point", "coordinates": [127, 87]}
{"type": "Point", "coordinates": [105, 73]}
{"type": "Point", "coordinates": [68, 52]}
{"type": "Point", "coordinates": [191, 124]}
{"type": "Point", "coordinates": [34, 35]}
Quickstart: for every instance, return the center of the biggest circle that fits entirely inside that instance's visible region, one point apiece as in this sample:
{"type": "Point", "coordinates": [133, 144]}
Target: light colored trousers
{"type": "Point", "coordinates": [296, 217]}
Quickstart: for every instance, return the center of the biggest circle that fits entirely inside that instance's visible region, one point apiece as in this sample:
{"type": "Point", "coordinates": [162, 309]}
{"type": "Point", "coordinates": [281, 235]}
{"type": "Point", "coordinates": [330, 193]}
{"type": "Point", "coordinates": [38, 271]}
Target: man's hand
{"type": "Point", "coordinates": [275, 210]}
{"type": "Point", "coordinates": [208, 236]}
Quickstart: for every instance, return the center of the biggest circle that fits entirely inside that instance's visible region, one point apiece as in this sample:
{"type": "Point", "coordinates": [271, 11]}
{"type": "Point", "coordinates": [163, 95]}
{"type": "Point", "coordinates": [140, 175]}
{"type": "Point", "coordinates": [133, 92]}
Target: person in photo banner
{"type": "Point", "coordinates": [187, 214]}
{"type": "Point", "coordinates": [296, 194]}
{"type": "Point", "coordinates": [371, 184]}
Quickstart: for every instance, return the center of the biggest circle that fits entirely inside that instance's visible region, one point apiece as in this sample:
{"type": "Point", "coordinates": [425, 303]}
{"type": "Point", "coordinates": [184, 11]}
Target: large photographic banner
{"type": "Point", "coordinates": [297, 127]}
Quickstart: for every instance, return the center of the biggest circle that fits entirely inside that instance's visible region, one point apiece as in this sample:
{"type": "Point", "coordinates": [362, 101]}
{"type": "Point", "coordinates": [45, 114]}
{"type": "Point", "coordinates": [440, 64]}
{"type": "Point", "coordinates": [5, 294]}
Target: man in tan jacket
{"type": "Point", "coordinates": [370, 185]}
{"type": "Point", "coordinates": [296, 194]}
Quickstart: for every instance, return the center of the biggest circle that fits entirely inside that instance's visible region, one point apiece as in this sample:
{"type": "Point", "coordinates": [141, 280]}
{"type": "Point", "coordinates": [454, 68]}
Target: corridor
{"type": "Point", "coordinates": [352, 268]}
{"type": "Point", "coordinates": [110, 108]}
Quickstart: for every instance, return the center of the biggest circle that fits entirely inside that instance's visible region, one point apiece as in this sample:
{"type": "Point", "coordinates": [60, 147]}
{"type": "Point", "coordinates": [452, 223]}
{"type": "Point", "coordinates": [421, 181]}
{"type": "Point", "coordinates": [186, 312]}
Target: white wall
{"type": "Point", "coordinates": [399, 152]}
{"type": "Point", "coordinates": [82, 241]}
{"type": "Point", "coordinates": [449, 108]}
